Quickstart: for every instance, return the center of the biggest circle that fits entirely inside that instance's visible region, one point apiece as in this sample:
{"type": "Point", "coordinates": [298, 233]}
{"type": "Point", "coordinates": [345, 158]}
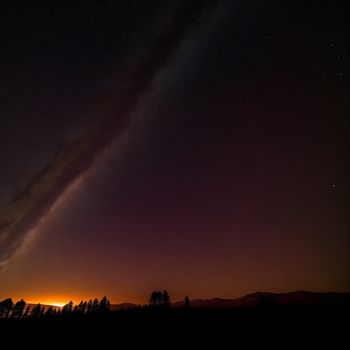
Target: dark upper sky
{"type": "Point", "coordinates": [198, 146]}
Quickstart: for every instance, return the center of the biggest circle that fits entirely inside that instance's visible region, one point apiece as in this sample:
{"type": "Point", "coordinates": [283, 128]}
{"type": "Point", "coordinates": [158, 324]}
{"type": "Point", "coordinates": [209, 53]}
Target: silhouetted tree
{"type": "Point", "coordinates": [187, 302]}
{"type": "Point", "coordinates": [95, 305]}
{"type": "Point", "coordinates": [49, 312]}
{"type": "Point", "coordinates": [42, 311]}
{"type": "Point", "coordinates": [6, 307]}
{"type": "Point", "coordinates": [17, 310]}
{"type": "Point", "coordinates": [89, 306]}
{"type": "Point", "coordinates": [70, 306]}
{"type": "Point", "coordinates": [26, 312]}
{"type": "Point", "coordinates": [165, 298]}
{"type": "Point", "coordinates": [82, 307]}
{"type": "Point", "coordinates": [67, 309]}
{"type": "Point", "coordinates": [159, 298]}
{"type": "Point", "coordinates": [36, 311]}
{"type": "Point", "coordinates": [156, 298]}
{"type": "Point", "coordinates": [153, 298]}
{"type": "Point", "coordinates": [104, 304]}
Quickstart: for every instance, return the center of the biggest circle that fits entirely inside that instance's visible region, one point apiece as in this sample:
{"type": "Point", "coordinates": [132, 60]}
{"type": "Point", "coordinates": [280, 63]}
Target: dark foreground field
{"type": "Point", "coordinates": [178, 328]}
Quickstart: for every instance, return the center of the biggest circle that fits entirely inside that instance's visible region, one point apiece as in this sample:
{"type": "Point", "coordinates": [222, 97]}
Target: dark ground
{"type": "Point", "coordinates": [303, 327]}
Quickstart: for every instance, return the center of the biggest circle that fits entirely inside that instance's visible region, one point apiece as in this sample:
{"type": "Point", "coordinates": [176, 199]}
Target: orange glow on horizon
{"type": "Point", "coordinates": [54, 300]}
{"type": "Point", "coordinates": [55, 303]}
{"type": "Point", "coordinates": [51, 302]}
{"type": "Point", "coordinates": [61, 300]}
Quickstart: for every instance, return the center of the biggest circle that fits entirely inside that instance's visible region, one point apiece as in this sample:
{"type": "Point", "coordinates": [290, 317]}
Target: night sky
{"type": "Point", "coordinates": [196, 146]}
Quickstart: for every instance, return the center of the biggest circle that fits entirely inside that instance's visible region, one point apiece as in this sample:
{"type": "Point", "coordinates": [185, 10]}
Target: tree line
{"type": "Point", "coordinates": [20, 309]}
{"type": "Point", "coordinates": [159, 299]}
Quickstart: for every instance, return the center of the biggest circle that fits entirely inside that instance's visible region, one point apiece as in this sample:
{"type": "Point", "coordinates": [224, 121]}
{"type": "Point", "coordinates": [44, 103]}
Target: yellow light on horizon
{"type": "Point", "coordinates": [48, 302]}
{"type": "Point", "coordinates": [54, 303]}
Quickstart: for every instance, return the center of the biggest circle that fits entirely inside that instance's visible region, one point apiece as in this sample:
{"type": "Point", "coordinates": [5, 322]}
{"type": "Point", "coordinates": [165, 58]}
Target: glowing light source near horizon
{"type": "Point", "coordinates": [49, 302]}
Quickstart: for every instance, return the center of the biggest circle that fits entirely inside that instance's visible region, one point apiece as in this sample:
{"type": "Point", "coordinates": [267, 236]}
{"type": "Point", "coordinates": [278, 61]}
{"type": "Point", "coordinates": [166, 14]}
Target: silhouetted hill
{"type": "Point", "coordinates": [123, 306]}
{"type": "Point", "coordinates": [277, 299]}
{"type": "Point", "coordinates": [255, 299]}
{"type": "Point", "coordinates": [248, 301]}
